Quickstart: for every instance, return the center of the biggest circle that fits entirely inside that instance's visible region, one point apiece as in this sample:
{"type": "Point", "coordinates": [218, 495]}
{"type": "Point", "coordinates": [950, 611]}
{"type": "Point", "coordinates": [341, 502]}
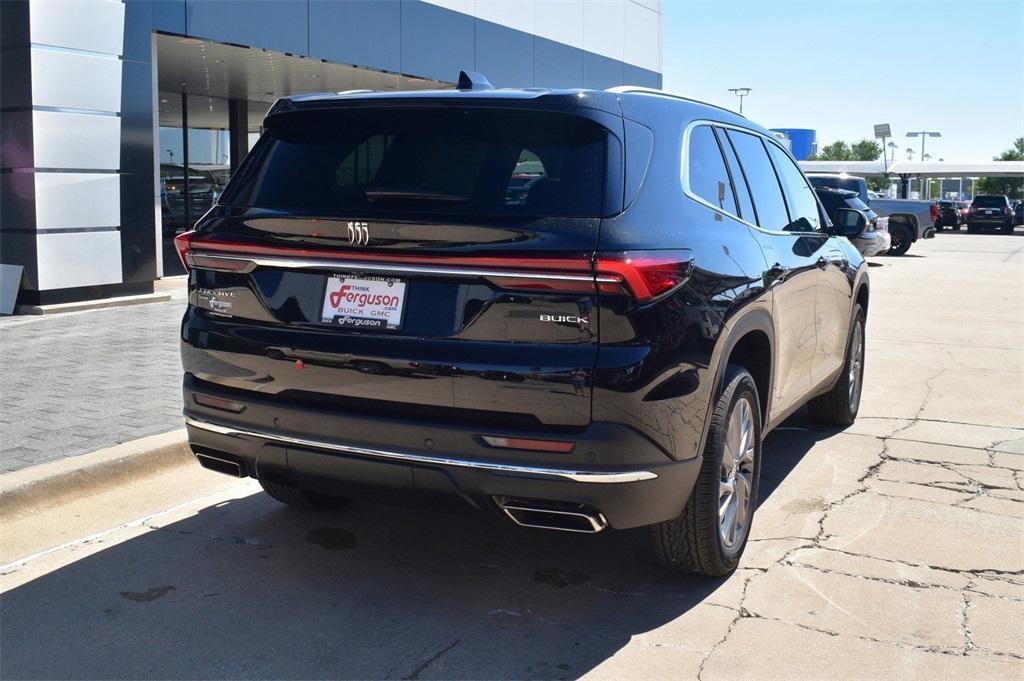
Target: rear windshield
{"type": "Point", "coordinates": [990, 201]}
{"type": "Point", "coordinates": [405, 162]}
{"type": "Point", "coordinates": [850, 184]}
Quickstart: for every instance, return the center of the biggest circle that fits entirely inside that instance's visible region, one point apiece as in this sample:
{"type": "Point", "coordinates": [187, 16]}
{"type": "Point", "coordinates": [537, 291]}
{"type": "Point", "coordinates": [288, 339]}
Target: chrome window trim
{"type": "Point", "coordinates": [604, 477]}
{"type": "Point", "coordinates": [685, 174]}
{"type": "Point", "coordinates": [363, 266]}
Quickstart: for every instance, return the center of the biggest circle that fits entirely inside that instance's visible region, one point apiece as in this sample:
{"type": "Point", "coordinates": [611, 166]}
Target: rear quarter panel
{"type": "Point", "coordinates": [659, 365]}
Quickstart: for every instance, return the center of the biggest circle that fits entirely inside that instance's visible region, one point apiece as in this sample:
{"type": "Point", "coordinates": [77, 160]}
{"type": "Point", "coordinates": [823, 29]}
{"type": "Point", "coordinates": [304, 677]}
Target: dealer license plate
{"type": "Point", "coordinates": [371, 304]}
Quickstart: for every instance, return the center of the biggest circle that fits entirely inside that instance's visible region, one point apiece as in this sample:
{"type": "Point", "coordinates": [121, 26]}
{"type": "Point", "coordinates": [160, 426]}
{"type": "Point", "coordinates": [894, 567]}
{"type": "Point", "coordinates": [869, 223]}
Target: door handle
{"type": "Point", "coordinates": [821, 263]}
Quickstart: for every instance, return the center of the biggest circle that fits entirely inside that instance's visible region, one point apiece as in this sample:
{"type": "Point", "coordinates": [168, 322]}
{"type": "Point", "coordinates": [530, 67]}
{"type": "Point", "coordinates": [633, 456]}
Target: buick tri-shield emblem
{"type": "Point", "coordinates": [358, 233]}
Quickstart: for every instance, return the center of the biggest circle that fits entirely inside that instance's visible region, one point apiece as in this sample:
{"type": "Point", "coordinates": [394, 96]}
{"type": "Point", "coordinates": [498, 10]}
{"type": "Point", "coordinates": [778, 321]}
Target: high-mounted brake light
{"type": "Point", "coordinates": [181, 242]}
{"type": "Point", "coordinates": [644, 274]}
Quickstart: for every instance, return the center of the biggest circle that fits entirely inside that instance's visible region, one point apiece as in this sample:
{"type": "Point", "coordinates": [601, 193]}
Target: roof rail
{"type": "Point", "coordinates": [471, 80]}
{"type": "Point", "coordinates": [641, 90]}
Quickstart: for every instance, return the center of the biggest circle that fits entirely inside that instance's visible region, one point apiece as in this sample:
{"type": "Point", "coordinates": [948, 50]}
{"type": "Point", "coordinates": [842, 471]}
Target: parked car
{"type": "Point", "coordinates": [874, 240]}
{"type": "Point", "coordinates": [1018, 213]}
{"type": "Point", "coordinates": [909, 219]}
{"type": "Point", "coordinates": [963, 207]}
{"type": "Point", "coordinates": [989, 211]}
{"type": "Point", "coordinates": [948, 215]}
{"type": "Point", "coordinates": [608, 351]}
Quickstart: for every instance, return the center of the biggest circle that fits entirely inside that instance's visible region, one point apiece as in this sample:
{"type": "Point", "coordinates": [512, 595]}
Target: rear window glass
{"type": "Point", "coordinates": [990, 201]}
{"type": "Point", "coordinates": [706, 173]}
{"type": "Point", "coordinates": [450, 161]}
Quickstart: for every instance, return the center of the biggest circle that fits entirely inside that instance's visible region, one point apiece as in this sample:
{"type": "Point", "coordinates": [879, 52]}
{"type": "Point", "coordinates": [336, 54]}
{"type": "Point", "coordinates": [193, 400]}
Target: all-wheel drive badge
{"type": "Point", "coordinates": [358, 233]}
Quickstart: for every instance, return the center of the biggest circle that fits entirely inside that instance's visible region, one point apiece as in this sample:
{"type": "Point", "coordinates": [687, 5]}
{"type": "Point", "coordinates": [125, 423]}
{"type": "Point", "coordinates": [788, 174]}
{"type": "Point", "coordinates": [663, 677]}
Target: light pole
{"type": "Point", "coordinates": [926, 185]}
{"type": "Point", "coordinates": [924, 134]}
{"type": "Point", "coordinates": [740, 92]}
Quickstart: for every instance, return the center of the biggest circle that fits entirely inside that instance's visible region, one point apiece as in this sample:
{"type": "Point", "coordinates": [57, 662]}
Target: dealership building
{"type": "Point", "coordinates": [120, 122]}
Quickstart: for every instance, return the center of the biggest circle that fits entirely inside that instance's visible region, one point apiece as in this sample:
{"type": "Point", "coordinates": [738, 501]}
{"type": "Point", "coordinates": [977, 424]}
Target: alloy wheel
{"type": "Point", "coordinates": [856, 365]}
{"type": "Point", "coordinates": [737, 474]}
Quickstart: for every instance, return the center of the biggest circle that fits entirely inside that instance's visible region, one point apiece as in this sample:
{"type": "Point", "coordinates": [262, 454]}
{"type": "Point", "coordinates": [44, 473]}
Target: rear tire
{"type": "Point", "coordinates": [839, 406]}
{"type": "Point", "coordinates": [901, 239]}
{"type": "Point", "coordinates": [300, 498]}
{"type": "Point", "coordinates": [704, 538]}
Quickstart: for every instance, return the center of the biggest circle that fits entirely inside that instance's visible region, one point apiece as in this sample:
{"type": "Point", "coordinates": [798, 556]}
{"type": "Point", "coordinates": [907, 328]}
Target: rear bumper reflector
{"type": "Point", "coordinates": [562, 446]}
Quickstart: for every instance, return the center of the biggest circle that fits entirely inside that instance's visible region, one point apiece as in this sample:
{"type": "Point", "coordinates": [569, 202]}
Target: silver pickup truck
{"type": "Point", "coordinates": [909, 219]}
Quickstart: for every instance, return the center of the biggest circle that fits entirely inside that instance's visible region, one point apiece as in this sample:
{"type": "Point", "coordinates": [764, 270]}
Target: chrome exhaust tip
{"type": "Point", "coordinates": [553, 515]}
{"type": "Point", "coordinates": [220, 464]}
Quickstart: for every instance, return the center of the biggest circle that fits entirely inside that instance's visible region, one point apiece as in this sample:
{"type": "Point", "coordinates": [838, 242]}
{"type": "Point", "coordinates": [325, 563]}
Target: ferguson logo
{"type": "Point", "coordinates": [566, 318]}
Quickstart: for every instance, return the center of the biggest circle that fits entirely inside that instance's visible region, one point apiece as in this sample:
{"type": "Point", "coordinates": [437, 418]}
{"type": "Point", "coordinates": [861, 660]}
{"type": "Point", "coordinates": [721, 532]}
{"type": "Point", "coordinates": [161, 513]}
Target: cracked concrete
{"type": "Point", "coordinates": [894, 549]}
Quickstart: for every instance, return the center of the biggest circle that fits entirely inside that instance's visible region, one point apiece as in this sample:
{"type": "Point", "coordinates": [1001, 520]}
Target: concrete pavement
{"type": "Point", "coordinates": [893, 549]}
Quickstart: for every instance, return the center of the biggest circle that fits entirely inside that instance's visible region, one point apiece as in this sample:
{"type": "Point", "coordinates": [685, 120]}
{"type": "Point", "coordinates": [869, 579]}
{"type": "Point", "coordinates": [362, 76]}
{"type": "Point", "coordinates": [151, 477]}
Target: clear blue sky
{"type": "Point", "coordinates": [840, 66]}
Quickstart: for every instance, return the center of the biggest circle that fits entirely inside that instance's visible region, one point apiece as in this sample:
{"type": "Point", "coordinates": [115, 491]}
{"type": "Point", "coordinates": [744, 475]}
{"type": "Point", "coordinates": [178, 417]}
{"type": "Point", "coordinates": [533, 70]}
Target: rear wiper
{"type": "Point", "coordinates": [384, 195]}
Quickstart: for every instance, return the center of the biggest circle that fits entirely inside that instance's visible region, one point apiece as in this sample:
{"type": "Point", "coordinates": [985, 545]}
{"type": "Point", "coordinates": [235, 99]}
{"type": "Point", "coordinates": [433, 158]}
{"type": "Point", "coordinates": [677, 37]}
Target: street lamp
{"type": "Point", "coordinates": [740, 92]}
{"type": "Point", "coordinates": [923, 134]}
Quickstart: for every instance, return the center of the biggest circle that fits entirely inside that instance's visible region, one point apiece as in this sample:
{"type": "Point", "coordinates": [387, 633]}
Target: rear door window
{"type": "Point", "coordinates": [739, 180]}
{"type": "Point", "coordinates": [804, 215]}
{"type": "Point", "coordinates": [410, 162]}
{"type": "Point", "coordinates": [706, 174]}
{"type": "Point", "coordinates": [764, 185]}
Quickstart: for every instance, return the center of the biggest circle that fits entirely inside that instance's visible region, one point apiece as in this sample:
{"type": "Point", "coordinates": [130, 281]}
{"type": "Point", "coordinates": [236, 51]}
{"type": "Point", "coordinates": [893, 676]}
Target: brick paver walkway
{"type": "Point", "coordinates": [77, 382]}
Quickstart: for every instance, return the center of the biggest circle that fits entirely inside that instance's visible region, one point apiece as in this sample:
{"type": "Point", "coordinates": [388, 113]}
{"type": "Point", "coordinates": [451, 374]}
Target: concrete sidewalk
{"type": "Point", "coordinates": [78, 382]}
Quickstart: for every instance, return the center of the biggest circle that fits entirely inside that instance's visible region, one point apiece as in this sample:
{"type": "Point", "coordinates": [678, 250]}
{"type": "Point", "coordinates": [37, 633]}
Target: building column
{"type": "Point", "coordinates": [238, 131]}
{"type": "Point", "coordinates": [77, 148]}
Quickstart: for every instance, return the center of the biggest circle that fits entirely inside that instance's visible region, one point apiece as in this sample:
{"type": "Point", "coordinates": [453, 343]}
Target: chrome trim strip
{"type": "Point", "coordinates": [360, 266]}
{"type": "Point", "coordinates": [560, 473]}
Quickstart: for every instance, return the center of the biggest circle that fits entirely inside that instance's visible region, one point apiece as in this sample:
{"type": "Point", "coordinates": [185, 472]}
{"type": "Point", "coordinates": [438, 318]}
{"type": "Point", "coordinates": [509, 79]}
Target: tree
{"type": "Point", "coordinates": [864, 150]}
{"type": "Point", "coordinates": [1009, 186]}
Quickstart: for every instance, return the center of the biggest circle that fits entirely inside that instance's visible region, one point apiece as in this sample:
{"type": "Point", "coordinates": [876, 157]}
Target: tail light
{"type": "Point", "coordinates": [181, 242]}
{"type": "Point", "coordinates": [972, 210]}
{"type": "Point", "coordinates": [935, 211]}
{"type": "Point", "coordinates": [1007, 211]}
{"type": "Point", "coordinates": [643, 274]}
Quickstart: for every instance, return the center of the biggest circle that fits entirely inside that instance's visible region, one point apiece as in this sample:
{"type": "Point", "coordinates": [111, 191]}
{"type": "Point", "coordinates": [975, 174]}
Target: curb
{"type": "Point", "coordinates": [56, 482]}
{"type": "Point", "coordinates": [101, 304]}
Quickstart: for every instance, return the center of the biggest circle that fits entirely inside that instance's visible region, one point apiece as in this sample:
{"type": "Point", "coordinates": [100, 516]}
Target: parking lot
{"type": "Point", "coordinates": [893, 549]}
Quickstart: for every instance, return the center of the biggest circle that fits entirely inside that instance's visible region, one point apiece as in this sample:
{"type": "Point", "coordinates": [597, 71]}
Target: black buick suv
{"type": "Point", "coordinates": [577, 309]}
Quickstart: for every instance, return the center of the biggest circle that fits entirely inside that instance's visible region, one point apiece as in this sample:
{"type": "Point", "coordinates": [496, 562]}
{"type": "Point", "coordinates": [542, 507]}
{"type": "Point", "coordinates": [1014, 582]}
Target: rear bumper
{"type": "Point", "coordinates": [612, 471]}
{"type": "Point", "coordinates": [992, 221]}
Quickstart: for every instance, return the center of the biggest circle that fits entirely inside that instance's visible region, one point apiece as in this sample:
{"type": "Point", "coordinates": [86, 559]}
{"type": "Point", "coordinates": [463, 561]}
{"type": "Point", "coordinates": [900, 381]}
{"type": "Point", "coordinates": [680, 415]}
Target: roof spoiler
{"type": "Point", "coordinates": [471, 80]}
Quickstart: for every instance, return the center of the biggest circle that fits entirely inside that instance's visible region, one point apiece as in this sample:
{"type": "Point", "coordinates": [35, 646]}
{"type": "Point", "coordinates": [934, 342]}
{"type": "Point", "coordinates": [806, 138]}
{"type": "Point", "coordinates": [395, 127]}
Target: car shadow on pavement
{"type": "Point", "coordinates": [251, 589]}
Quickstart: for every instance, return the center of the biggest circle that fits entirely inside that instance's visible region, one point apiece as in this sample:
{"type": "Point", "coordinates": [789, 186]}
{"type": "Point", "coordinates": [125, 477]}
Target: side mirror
{"type": "Point", "coordinates": [850, 222]}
